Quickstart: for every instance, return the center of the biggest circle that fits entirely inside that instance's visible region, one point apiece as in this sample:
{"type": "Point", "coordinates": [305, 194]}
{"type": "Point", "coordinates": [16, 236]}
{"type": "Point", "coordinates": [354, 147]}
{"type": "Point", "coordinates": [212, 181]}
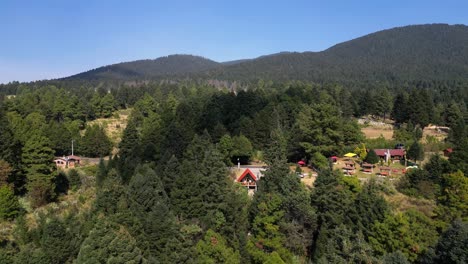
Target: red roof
{"type": "Point", "coordinates": [393, 152]}
{"type": "Point", "coordinates": [449, 150]}
{"type": "Point", "coordinates": [246, 172]}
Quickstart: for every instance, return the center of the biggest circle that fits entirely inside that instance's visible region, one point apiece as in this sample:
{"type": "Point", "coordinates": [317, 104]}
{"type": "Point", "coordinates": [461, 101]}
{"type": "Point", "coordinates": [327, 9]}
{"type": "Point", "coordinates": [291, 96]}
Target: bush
{"type": "Point", "coordinates": [74, 179]}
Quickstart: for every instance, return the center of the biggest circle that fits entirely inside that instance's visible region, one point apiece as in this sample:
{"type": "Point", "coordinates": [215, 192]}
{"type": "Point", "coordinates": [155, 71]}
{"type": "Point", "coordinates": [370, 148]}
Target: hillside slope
{"type": "Point", "coordinates": [435, 51]}
{"type": "Point", "coordinates": [149, 69]}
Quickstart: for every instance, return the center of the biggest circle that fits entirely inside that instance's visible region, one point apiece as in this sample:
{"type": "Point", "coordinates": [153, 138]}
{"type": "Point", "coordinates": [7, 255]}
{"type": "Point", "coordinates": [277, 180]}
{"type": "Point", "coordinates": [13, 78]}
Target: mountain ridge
{"type": "Point", "coordinates": [430, 51]}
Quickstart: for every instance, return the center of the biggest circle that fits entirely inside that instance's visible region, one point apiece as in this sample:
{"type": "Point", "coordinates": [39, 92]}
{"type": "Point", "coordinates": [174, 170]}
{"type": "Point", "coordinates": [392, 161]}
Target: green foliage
{"type": "Point", "coordinates": [74, 179]}
{"type": "Point", "coordinates": [109, 243]}
{"type": "Point", "coordinates": [415, 152]}
{"type": "Point", "coordinates": [454, 196]}
{"type": "Point", "coordinates": [319, 161]}
{"type": "Point", "coordinates": [37, 159]}
{"type": "Point", "coordinates": [372, 157]}
{"type": "Point", "coordinates": [451, 247]}
{"type": "Point", "coordinates": [361, 151]}
{"type": "Point", "coordinates": [213, 248]}
{"type": "Point", "coordinates": [241, 148]}
{"type": "Point", "coordinates": [9, 205]}
{"type": "Point", "coordinates": [225, 147]}
{"type": "Point", "coordinates": [411, 233]}
{"type": "Point", "coordinates": [95, 142]}
{"type": "Point", "coordinates": [320, 126]}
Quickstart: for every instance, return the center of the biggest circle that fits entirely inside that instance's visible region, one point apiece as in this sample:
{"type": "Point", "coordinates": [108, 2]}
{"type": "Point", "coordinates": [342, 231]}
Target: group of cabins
{"type": "Point", "coordinates": [387, 155]}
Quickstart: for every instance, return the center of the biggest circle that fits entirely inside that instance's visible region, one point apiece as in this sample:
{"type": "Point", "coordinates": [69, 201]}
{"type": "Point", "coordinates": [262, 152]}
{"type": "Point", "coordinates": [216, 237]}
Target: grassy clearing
{"type": "Point", "coordinates": [114, 126]}
{"type": "Point", "coordinates": [402, 203]}
{"type": "Point", "coordinates": [77, 202]}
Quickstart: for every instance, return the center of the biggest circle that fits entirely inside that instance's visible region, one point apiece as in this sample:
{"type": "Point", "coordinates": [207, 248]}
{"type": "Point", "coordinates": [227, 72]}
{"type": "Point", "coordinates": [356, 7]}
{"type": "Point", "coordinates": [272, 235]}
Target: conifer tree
{"type": "Point", "coordinates": [372, 157]}
{"type": "Point", "coordinates": [37, 158]}
{"type": "Point", "coordinates": [9, 205]}
{"type": "Point", "coordinates": [109, 243]}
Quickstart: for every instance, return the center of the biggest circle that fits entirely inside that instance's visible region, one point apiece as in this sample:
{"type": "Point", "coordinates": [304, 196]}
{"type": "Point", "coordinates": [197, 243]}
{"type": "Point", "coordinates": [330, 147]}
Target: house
{"type": "Point", "coordinates": [248, 179]}
{"type": "Point", "coordinates": [67, 162]}
{"type": "Point", "coordinates": [448, 151]}
{"type": "Point", "coordinates": [393, 154]}
{"type": "Point", "coordinates": [61, 162]}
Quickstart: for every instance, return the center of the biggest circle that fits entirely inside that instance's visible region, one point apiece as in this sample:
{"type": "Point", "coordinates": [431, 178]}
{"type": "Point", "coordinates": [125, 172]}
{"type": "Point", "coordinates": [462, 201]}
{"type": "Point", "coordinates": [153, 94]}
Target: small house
{"type": "Point", "coordinates": [248, 179]}
{"type": "Point", "coordinates": [67, 161]}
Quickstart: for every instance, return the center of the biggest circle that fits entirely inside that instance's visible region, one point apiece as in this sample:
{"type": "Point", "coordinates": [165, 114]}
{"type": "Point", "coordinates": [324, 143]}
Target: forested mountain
{"type": "Point", "coordinates": [420, 52]}
{"type": "Point", "coordinates": [407, 53]}
{"type": "Point", "coordinates": [149, 69]}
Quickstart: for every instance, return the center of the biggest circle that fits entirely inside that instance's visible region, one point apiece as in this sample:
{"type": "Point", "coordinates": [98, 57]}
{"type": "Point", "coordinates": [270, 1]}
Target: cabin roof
{"type": "Point", "coordinates": [393, 152]}
{"type": "Point", "coordinates": [245, 173]}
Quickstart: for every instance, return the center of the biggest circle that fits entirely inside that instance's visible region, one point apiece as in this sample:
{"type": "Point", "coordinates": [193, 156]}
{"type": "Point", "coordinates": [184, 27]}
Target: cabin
{"type": "Point", "coordinates": [248, 179]}
{"type": "Point", "coordinates": [71, 161]}
{"type": "Point", "coordinates": [390, 154]}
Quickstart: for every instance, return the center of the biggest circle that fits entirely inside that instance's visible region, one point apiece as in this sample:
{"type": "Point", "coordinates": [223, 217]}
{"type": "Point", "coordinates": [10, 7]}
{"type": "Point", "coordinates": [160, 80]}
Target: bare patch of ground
{"type": "Point", "coordinates": [375, 132]}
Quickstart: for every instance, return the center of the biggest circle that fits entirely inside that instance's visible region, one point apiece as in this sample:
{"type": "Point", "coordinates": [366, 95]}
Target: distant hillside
{"type": "Point", "coordinates": [421, 52]}
{"type": "Point", "coordinates": [150, 69]}
{"type": "Point", "coordinates": [435, 51]}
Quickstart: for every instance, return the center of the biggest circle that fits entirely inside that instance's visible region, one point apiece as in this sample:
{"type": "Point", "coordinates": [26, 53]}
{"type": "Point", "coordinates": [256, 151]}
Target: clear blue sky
{"type": "Point", "coordinates": [50, 39]}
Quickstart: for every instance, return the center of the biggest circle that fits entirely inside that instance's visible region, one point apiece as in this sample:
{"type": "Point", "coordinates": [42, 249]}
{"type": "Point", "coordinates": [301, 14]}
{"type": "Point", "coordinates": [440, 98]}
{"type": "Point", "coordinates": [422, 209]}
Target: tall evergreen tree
{"type": "Point", "coordinates": [37, 159]}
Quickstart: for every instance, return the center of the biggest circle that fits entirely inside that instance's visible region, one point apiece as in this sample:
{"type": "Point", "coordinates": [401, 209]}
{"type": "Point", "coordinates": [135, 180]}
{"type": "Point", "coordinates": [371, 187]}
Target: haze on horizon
{"type": "Point", "coordinates": [53, 39]}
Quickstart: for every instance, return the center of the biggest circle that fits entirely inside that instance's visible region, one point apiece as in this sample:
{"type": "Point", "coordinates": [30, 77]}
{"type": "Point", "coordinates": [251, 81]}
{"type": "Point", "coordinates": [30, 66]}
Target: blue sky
{"type": "Point", "coordinates": [50, 39]}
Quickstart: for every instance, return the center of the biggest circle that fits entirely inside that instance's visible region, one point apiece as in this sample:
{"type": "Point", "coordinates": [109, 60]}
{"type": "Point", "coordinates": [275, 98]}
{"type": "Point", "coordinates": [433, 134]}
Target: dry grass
{"type": "Point", "coordinates": [114, 126]}
{"type": "Point", "coordinates": [375, 132]}
{"type": "Point", "coordinates": [76, 202]}
{"type": "Point", "coordinates": [401, 202]}
{"type": "Point", "coordinates": [433, 131]}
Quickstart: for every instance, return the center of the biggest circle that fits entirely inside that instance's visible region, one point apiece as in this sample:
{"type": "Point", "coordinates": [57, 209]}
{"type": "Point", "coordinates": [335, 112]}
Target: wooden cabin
{"type": "Point", "coordinates": [248, 179]}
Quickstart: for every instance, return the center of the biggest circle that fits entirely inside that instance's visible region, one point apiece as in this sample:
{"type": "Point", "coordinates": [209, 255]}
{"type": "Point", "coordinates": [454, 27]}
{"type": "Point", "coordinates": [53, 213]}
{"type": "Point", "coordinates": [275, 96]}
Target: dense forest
{"type": "Point", "coordinates": [167, 196]}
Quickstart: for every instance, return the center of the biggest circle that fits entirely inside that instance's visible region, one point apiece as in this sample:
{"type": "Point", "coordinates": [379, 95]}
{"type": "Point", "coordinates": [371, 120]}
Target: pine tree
{"type": "Point", "coordinates": [109, 243]}
{"type": "Point", "coordinates": [372, 157]}
{"type": "Point", "coordinates": [37, 158]}
{"type": "Point", "coordinates": [213, 248]}
{"type": "Point", "coordinates": [415, 152]}
{"type": "Point", "coordinates": [9, 205]}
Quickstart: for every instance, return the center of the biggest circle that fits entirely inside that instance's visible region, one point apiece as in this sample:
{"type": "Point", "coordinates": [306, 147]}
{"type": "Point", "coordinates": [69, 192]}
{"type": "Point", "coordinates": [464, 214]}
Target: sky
{"type": "Point", "coordinates": [56, 38]}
